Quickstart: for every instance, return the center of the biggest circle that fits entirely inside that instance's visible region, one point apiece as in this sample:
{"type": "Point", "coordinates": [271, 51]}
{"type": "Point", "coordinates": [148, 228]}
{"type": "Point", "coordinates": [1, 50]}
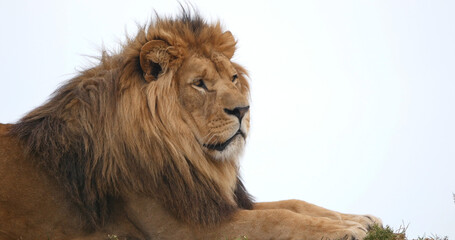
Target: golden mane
{"type": "Point", "coordinates": [108, 132]}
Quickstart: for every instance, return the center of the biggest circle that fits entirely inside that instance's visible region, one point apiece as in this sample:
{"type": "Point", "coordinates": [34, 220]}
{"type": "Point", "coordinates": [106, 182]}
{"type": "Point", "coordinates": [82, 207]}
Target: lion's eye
{"type": "Point", "coordinates": [200, 83]}
{"type": "Point", "coordinates": [234, 78]}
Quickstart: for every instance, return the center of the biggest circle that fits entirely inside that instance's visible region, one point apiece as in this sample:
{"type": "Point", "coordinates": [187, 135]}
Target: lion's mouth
{"type": "Point", "coordinates": [221, 146]}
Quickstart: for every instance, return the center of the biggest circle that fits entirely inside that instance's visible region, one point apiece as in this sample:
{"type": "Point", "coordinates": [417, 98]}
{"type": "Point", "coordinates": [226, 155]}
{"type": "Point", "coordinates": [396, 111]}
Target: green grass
{"type": "Point", "coordinates": [387, 233]}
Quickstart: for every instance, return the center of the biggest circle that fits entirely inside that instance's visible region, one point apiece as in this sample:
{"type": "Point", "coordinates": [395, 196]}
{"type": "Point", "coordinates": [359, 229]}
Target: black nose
{"type": "Point", "coordinates": [239, 112]}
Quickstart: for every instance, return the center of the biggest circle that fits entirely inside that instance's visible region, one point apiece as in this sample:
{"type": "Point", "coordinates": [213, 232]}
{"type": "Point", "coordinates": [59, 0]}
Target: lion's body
{"type": "Point", "coordinates": [145, 146]}
{"type": "Point", "coordinates": [27, 194]}
{"type": "Point", "coordinates": [32, 204]}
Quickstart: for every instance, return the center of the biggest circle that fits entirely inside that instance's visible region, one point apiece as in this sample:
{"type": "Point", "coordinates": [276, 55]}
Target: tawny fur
{"type": "Point", "coordinates": [100, 136]}
{"type": "Point", "coordinates": [135, 147]}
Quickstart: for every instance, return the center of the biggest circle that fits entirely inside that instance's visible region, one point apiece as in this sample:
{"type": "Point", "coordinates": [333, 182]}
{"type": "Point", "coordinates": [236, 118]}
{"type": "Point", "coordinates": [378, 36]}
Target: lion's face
{"type": "Point", "coordinates": [212, 91]}
{"type": "Point", "coordinates": [215, 94]}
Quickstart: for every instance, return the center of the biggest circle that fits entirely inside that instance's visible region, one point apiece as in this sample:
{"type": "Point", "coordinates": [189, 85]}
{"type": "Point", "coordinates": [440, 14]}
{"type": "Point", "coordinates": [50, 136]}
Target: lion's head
{"type": "Point", "coordinates": [166, 117]}
{"type": "Point", "coordinates": [211, 91]}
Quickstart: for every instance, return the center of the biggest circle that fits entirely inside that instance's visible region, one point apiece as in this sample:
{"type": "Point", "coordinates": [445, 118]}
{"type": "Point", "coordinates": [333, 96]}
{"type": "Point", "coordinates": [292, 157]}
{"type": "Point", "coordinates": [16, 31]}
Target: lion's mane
{"type": "Point", "coordinates": [107, 133]}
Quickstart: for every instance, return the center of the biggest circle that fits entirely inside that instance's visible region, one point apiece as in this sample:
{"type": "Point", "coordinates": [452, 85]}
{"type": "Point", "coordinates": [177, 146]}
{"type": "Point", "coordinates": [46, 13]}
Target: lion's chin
{"type": "Point", "coordinates": [230, 152]}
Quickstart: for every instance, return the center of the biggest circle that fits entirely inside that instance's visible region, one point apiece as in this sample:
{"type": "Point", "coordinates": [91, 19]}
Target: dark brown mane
{"type": "Point", "coordinates": [97, 136]}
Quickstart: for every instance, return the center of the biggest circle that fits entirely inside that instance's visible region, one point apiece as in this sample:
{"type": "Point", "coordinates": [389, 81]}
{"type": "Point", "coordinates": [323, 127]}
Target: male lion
{"type": "Point", "coordinates": [145, 145]}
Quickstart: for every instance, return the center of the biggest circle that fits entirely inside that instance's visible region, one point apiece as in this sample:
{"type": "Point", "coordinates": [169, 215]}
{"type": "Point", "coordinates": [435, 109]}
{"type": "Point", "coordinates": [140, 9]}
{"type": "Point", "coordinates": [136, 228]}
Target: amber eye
{"type": "Point", "coordinates": [200, 83]}
{"type": "Point", "coordinates": [235, 77]}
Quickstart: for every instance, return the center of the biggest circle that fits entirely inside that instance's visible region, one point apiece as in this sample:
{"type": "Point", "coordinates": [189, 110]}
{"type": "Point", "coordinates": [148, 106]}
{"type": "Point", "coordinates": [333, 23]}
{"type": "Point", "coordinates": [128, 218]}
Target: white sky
{"type": "Point", "coordinates": [352, 101]}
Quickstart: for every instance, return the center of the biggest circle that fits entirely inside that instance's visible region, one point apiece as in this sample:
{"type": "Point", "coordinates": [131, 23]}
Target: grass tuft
{"type": "Point", "coordinates": [387, 233]}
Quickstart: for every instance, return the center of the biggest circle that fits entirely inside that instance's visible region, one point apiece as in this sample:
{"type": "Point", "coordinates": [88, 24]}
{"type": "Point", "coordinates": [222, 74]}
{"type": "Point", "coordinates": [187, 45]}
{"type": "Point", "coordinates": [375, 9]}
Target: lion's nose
{"type": "Point", "coordinates": [239, 112]}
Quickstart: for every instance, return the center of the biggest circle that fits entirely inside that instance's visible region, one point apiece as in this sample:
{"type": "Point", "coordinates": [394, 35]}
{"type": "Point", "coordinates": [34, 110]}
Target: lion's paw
{"type": "Point", "coordinates": [367, 221]}
{"type": "Point", "coordinates": [374, 220]}
{"type": "Point", "coordinates": [354, 231]}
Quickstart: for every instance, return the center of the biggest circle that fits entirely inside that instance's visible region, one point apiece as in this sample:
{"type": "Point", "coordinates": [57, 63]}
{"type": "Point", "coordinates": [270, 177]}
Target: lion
{"type": "Point", "coordinates": [146, 145]}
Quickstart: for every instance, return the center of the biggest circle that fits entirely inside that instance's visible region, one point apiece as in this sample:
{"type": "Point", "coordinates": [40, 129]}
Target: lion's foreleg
{"type": "Point", "coordinates": [309, 209]}
{"type": "Point", "coordinates": [301, 207]}
{"type": "Point", "coordinates": [282, 224]}
{"type": "Point", "coordinates": [156, 223]}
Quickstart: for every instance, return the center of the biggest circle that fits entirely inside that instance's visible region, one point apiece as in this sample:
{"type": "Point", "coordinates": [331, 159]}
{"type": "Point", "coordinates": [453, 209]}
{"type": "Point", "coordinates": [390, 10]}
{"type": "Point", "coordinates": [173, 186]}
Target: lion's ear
{"type": "Point", "coordinates": [228, 45]}
{"type": "Point", "coordinates": [154, 58]}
